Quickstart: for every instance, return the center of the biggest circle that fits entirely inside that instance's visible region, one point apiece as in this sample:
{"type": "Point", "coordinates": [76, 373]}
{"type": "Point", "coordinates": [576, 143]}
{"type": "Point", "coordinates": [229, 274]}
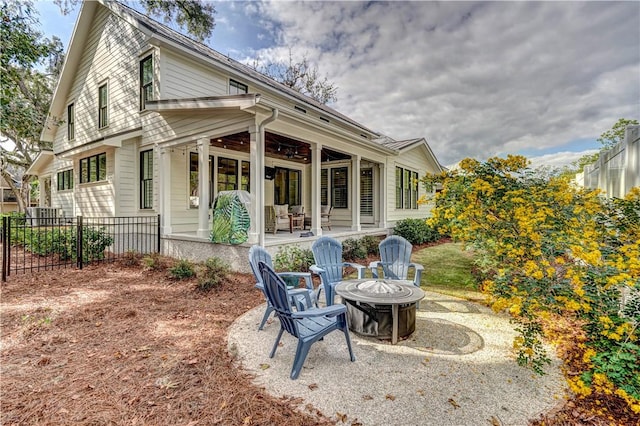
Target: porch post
{"type": "Point", "coordinates": [383, 195]}
{"type": "Point", "coordinates": [355, 193]}
{"type": "Point", "coordinates": [256, 186]}
{"type": "Point", "coordinates": [164, 188]}
{"type": "Point", "coordinates": [203, 188]}
{"type": "Point", "coordinates": [316, 167]}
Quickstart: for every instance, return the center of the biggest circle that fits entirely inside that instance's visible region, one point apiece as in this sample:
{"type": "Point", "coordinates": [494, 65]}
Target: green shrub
{"type": "Point", "coordinates": [293, 259]}
{"type": "Point", "coordinates": [94, 243]}
{"type": "Point", "coordinates": [353, 249]}
{"type": "Point", "coordinates": [182, 270]}
{"type": "Point", "coordinates": [154, 262]}
{"type": "Point", "coordinates": [370, 244]}
{"type": "Point", "coordinates": [212, 274]}
{"type": "Point", "coordinates": [416, 231]}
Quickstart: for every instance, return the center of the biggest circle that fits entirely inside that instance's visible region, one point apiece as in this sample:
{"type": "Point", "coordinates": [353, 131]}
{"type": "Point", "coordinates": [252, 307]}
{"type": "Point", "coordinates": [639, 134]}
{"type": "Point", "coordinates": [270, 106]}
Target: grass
{"type": "Point", "coordinates": [448, 269]}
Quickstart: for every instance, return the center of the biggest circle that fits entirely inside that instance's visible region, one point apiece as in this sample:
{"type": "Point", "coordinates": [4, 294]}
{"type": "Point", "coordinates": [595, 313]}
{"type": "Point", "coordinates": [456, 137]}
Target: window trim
{"type": "Point", "coordinates": [407, 189]}
{"type": "Point", "coordinates": [287, 185]}
{"type": "Point", "coordinates": [86, 162]}
{"type": "Point", "coordinates": [142, 86]}
{"type": "Point", "coordinates": [220, 163]}
{"type": "Point", "coordinates": [71, 121]}
{"type": "Point", "coordinates": [146, 204]}
{"type": "Point", "coordinates": [103, 110]}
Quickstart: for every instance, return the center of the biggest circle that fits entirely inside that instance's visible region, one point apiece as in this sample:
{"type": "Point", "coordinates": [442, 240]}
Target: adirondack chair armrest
{"type": "Point", "coordinates": [294, 293]}
{"type": "Point", "coordinates": [357, 267]}
{"type": "Point", "coordinates": [329, 311]}
{"type": "Point", "coordinates": [418, 266]}
{"type": "Point", "coordinates": [306, 275]}
{"type": "Point", "coordinates": [316, 269]}
{"type": "Point", "coordinates": [373, 267]}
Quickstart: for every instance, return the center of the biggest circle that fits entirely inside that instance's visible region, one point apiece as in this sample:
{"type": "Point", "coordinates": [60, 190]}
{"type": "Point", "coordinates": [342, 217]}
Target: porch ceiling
{"type": "Point", "coordinates": [277, 146]}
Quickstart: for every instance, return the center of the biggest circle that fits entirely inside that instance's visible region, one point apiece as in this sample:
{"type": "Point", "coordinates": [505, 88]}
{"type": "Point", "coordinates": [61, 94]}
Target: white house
{"type": "Point", "coordinates": [156, 123]}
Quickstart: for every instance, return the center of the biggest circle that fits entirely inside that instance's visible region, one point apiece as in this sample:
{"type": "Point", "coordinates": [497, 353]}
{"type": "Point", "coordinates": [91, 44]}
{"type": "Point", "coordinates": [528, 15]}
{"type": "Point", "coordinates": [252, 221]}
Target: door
{"type": "Point", "coordinates": [366, 195]}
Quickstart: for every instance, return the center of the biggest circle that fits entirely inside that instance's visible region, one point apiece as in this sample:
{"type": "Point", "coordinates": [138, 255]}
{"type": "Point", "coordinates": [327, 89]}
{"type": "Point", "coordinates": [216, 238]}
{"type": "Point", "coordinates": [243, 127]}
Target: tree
{"type": "Point", "coordinates": [616, 134]}
{"type": "Point", "coordinates": [29, 67]}
{"type": "Point", "coordinates": [194, 16]}
{"type": "Point", "coordinates": [300, 76]}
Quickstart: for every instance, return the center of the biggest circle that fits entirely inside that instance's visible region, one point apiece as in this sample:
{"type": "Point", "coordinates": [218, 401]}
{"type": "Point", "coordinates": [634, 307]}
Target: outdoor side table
{"type": "Point", "coordinates": [372, 299]}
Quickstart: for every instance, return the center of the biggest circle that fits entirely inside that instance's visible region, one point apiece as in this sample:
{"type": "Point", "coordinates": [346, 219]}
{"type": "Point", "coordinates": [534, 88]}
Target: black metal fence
{"type": "Point", "coordinates": [30, 244]}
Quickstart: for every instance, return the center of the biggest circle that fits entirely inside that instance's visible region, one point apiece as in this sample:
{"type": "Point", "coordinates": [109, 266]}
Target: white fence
{"type": "Point", "coordinates": [618, 169]}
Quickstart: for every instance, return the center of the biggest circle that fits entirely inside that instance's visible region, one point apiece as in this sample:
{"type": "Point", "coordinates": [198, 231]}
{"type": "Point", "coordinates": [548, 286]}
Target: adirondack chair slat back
{"type": "Point", "coordinates": [327, 253]}
{"type": "Point", "coordinates": [276, 291]}
{"type": "Point", "coordinates": [258, 254]}
{"type": "Point", "coordinates": [395, 256]}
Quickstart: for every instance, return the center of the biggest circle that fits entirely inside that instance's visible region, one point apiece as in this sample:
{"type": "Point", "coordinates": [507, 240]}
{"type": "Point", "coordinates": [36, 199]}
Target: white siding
{"type": "Point", "coordinates": [183, 78]}
{"type": "Point", "coordinates": [97, 199]}
{"type": "Point", "coordinates": [110, 55]}
{"type": "Point", "coordinates": [126, 179]}
{"type": "Point", "coordinates": [61, 199]}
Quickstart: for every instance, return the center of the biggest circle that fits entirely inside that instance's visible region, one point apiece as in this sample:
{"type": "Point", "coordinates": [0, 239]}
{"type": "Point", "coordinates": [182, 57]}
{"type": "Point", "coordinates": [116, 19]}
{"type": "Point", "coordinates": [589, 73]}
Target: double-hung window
{"type": "Point", "coordinates": [71, 122]}
{"type": "Point", "coordinates": [146, 179]}
{"type": "Point", "coordinates": [65, 180]}
{"type": "Point", "coordinates": [334, 187]}
{"type": "Point", "coordinates": [146, 81]}
{"type": "Point", "coordinates": [94, 168]}
{"type": "Point", "coordinates": [227, 174]}
{"type": "Point", "coordinates": [103, 106]}
{"type": "Point", "coordinates": [237, 88]}
{"type": "Point", "coordinates": [406, 189]}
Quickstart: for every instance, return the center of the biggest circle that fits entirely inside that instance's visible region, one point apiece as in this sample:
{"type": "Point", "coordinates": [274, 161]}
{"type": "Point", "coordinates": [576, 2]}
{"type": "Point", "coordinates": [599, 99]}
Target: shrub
{"type": "Point", "coordinates": [353, 249]}
{"type": "Point", "coordinates": [293, 259]}
{"type": "Point", "coordinates": [416, 231]}
{"type": "Point", "coordinates": [212, 274]}
{"type": "Point", "coordinates": [154, 262]}
{"type": "Point", "coordinates": [370, 245]}
{"type": "Point", "coordinates": [130, 258]}
{"type": "Point", "coordinates": [182, 270]}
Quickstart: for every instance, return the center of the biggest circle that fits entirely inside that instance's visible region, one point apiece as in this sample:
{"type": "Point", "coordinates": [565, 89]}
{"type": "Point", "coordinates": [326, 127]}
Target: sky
{"type": "Point", "coordinates": [475, 79]}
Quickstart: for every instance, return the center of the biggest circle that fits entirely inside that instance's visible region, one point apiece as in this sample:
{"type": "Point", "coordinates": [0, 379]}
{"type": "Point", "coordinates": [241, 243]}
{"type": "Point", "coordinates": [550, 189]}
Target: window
{"type": "Point", "coordinates": [406, 189]}
{"type": "Point", "coordinates": [65, 180]}
{"type": "Point", "coordinates": [193, 180]}
{"type": "Point", "coordinates": [103, 119]}
{"type": "Point", "coordinates": [245, 178]}
{"type": "Point", "coordinates": [340, 193]}
{"type": "Point", "coordinates": [94, 168]}
{"type": "Point", "coordinates": [146, 81]}
{"type": "Point", "coordinates": [227, 174]}
{"type": "Point", "coordinates": [146, 179]}
{"type": "Point", "coordinates": [71, 120]}
{"type": "Point", "coordinates": [237, 88]}
{"type": "Point", "coordinates": [287, 186]}
{"type": "Point", "coordinates": [324, 187]}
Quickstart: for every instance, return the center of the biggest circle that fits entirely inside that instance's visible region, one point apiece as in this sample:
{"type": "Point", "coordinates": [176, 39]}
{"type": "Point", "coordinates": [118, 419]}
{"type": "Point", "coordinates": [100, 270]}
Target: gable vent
{"type": "Point", "coordinates": [302, 110]}
{"type": "Point", "coordinates": [325, 119]}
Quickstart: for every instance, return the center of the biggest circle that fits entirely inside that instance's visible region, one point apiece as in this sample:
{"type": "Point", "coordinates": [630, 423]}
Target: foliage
{"type": "Point", "coordinates": [130, 258]}
{"type": "Point", "coordinates": [293, 259]}
{"type": "Point", "coordinates": [29, 67]}
{"type": "Point", "coordinates": [154, 262]}
{"type": "Point", "coordinates": [416, 231]}
{"type": "Point", "coordinates": [212, 274]}
{"type": "Point", "coordinates": [370, 245]}
{"type": "Point", "coordinates": [231, 220]}
{"type": "Point", "coordinates": [183, 269]}
{"type": "Point", "coordinates": [301, 77]}
{"type": "Point", "coordinates": [195, 16]}
{"type": "Point", "coordinates": [552, 251]}
{"type": "Point", "coordinates": [352, 249]}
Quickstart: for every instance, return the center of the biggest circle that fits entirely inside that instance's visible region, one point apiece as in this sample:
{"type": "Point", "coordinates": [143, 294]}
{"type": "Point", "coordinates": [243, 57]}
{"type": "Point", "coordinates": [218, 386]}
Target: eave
{"type": "Point", "coordinates": [231, 102]}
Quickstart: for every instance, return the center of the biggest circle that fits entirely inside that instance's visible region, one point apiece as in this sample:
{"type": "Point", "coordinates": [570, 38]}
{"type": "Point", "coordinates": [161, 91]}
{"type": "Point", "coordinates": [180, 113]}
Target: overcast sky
{"type": "Point", "coordinates": [477, 79]}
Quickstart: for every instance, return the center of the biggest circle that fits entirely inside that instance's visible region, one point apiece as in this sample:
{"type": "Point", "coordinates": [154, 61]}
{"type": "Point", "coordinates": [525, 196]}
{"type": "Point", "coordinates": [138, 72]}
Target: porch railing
{"type": "Point", "coordinates": [31, 244]}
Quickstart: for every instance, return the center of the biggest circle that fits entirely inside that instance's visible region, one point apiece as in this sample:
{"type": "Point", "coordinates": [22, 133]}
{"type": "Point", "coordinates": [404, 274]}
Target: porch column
{"type": "Point", "coordinates": [256, 186]}
{"type": "Point", "coordinates": [316, 167]}
{"type": "Point", "coordinates": [203, 188]}
{"type": "Point", "coordinates": [164, 188]}
{"type": "Point", "coordinates": [355, 193]}
{"type": "Point", "coordinates": [383, 195]}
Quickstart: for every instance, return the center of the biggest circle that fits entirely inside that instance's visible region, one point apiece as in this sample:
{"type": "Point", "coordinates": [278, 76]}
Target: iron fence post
{"type": "Point", "coordinates": [79, 248]}
{"type": "Point", "coordinates": [5, 243]}
{"type": "Point", "coordinates": [158, 233]}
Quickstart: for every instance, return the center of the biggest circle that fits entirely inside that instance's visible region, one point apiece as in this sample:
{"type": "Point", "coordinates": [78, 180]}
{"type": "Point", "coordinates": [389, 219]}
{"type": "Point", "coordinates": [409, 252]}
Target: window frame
{"type": "Point", "coordinates": [342, 188]}
{"type": "Point", "coordinates": [71, 121]}
{"type": "Point", "coordinates": [65, 180]}
{"type": "Point", "coordinates": [143, 87]}
{"type": "Point", "coordinates": [407, 189]}
{"type": "Point", "coordinates": [146, 179]}
{"type": "Point", "coordinates": [237, 86]}
{"type": "Point", "coordinates": [226, 184]}
{"type": "Point", "coordinates": [100, 172]}
{"type": "Point", "coordinates": [103, 108]}
{"type": "Point", "coordinates": [285, 197]}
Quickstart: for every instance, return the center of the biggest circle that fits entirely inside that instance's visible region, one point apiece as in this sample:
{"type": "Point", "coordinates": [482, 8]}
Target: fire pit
{"type": "Point", "coordinates": [381, 308]}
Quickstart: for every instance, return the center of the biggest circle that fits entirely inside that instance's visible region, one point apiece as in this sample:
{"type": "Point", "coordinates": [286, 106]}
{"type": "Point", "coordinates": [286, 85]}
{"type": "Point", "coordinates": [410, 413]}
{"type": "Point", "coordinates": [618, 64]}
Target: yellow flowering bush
{"type": "Point", "coordinates": [550, 248]}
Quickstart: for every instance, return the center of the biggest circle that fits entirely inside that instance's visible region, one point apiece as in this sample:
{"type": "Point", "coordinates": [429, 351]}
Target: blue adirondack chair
{"type": "Point", "coordinates": [395, 260]}
{"type": "Point", "coordinates": [307, 326]}
{"type": "Point", "coordinates": [327, 253]}
{"type": "Point", "coordinates": [301, 298]}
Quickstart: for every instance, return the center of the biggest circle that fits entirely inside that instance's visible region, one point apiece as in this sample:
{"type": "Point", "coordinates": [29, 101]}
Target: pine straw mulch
{"type": "Point", "coordinates": [116, 345]}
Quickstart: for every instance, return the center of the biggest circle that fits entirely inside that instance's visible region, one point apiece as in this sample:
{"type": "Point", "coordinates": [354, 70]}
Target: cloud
{"type": "Point", "coordinates": [559, 159]}
{"type": "Point", "coordinates": [474, 79]}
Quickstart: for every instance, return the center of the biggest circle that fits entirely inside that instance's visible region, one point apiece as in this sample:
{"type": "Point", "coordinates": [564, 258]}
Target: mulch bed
{"type": "Point", "coordinates": [115, 345]}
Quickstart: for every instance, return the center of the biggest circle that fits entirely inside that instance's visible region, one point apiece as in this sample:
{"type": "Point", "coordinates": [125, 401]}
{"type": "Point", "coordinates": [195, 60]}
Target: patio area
{"type": "Point", "coordinates": [458, 368]}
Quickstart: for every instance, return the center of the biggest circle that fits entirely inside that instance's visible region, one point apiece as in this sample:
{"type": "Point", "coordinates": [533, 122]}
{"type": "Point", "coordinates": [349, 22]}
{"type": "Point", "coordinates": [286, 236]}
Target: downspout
{"type": "Point", "coordinates": [260, 195]}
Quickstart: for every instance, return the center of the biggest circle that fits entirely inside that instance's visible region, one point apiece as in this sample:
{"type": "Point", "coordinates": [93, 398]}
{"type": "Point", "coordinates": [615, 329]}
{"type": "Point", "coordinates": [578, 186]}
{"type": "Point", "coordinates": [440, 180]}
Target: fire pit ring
{"type": "Point", "coordinates": [381, 308]}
